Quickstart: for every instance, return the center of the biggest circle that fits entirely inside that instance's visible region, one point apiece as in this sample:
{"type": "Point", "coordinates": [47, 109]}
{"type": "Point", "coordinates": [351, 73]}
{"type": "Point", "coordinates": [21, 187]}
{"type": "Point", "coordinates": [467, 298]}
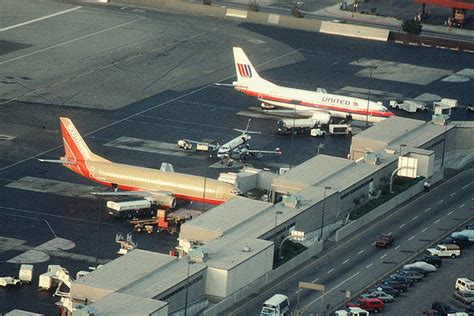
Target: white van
{"type": "Point", "coordinates": [464, 285]}
{"type": "Point", "coordinates": [277, 305]}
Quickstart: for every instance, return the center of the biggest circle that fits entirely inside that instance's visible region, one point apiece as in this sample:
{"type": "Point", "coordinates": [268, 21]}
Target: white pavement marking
{"type": "Point", "coordinates": [411, 237]}
{"type": "Point", "coordinates": [55, 187]}
{"type": "Point", "coordinates": [315, 280]}
{"type": "Point", "coordinates": [369, 265]}
{"type": "Point", "coordinates": [330, 271]}
{"type": "Point", "coordinates": [401, 225]}
{"type": "Point", "coordinates": [334, 288]}
{"type": "Point", "coordinates": [151, 146]}
{"type": "Point", "coordinates": [441, 201]}
{"type": "Point", "coordinates": [464, 187]}
{"type": "Point", "coordinates": [383, 256]}
{"type": "Point", "coordinates": [424, 229]}
{"type": "Point", "coordinates": [415, 217]}
{"type": "Point", "coordinates": [462, 205]}
{"type": "Point", "coordinates": [453, 194]}
{"type": "Point", "coordinates": [397, 247]}
{"type": "Point", "coordinates": [428, 209]}
{"type": "Point", "coordinates": [345, 261]}
{"type": "Point", "coordinates": [449, 213]}
{"type": "Point", "coordinates": [437, 221]}
{"type": "Point", "coordinates": [70, 41]}
{"type": "Point", "coordinates": [360, 252]}
{"type": "Point", "coordinates": [39, 19]}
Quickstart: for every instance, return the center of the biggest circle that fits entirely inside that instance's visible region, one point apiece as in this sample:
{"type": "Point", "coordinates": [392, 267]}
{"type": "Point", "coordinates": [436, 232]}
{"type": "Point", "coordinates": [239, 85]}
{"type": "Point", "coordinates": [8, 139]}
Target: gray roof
{"type": "Point", "coordinates": [225, 217]}
{"type": "Point", "coordinates": [423, 134]}
{"type": "Point", "coordinates": [313, 171]}
{"type": "Point", "coordinates": [122, 304]}
{"type": "Point", "coordinates": [391, 130]}
{"type": "Point", "coordinates": [227, 253]}
{"type": "Point", "coordinates": [142, 273]}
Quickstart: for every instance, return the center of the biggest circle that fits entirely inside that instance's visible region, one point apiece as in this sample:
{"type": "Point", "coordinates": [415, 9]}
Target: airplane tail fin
{"type": "Point", "coordinates": [74, 146]}
{"type": "Point", "coordinates": [246, 72]}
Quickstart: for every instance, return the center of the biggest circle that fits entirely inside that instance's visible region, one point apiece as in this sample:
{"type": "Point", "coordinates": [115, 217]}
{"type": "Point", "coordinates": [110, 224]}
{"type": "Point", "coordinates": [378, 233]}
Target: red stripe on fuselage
{"type": "Point", "coordinates": [321, 106]}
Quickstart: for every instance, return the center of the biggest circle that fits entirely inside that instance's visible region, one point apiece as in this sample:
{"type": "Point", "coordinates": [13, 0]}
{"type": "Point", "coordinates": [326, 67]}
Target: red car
{"type": "Point", "coordinates": [385, 241]}
{"type": "Point", "coordinates": [369, 304]}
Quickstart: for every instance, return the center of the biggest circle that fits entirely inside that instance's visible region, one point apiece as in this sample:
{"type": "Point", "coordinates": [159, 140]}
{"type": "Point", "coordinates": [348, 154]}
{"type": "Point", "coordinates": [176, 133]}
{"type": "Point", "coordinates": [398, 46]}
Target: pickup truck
{"type": "Point", "coordinates": [385, 241]}
{"type": "Point", "coordinates": [445, 251]}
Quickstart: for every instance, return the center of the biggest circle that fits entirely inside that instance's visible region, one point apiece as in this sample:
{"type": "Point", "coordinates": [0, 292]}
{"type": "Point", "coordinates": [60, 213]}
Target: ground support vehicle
{"type": "Point", "coordinates": [130, 209]}
{"type": "Point", "coordinates": [303, 125]}
{"type": "Point", "coordinates": [448, 250]}
{"type": "Point", "coordinates": [410, 106]}
{"type": "Point", "coordinates": [4, 281]}
{"type": "Point", "coordinates": [446, 103]}
{"type": "Point", "coordinates": [164, 221]}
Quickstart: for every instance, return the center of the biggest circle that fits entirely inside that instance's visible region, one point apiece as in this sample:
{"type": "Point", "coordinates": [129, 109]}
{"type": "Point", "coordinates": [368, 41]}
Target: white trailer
{"type": "Point", "coordinates": [304, 125]}
{"type": "Point", "coordinates": [410, 106]}
{"type": "Point", "coordinates": [129, 209]}
{"type": "Point", "coordinates": [446, 103]}
{"type": "Point", "coordinates": [26, 273]}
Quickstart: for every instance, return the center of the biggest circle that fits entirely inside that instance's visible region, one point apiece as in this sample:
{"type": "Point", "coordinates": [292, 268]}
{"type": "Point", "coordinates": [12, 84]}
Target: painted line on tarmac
{"type": "Point", "coordinates": [411, 237]}
{"type": "Point", "coordinates": [383, 256]}
{"type": "Point", "coordinates": [369, 265]}
{"type": "Point", "coordinates": [441, 201]}
{"type": "Point", "coordinates": [462, 205]}
{"type": "Point", "coordinates": [424, 229]}
{"type": "Point", "coordinates": [345, 261]}
{"type": "Point", "coordinates": [437, 221]}
{"type": "Point", "coordinates": [428, 209]}
{"type": "Point", "coordinates": [415, 217]}
{"type": "Point", "coordinates": [397, 247]}
{"type": "Point", "coordinates": [360, 252]}
{"type": "Point", "coordinates": [449, 213]}
{"type": "Point", "coordinates": [39, 19]}
{"type": "Point", "coordinates": [402, 225]}
{"type": "Point", "coordinates": [70, 41]}
{"type": "Point", "coordinates": [453, 194]}
{"type": "Point", "coordinates": [330, 271]}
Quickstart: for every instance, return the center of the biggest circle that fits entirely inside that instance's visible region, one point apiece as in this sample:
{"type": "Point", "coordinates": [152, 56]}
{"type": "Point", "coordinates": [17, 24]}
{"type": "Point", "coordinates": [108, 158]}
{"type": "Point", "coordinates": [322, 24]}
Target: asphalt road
{"type": "Point", "coordinates": [149, 76]}
{"type": "Point", "coordinates": [356, 264]}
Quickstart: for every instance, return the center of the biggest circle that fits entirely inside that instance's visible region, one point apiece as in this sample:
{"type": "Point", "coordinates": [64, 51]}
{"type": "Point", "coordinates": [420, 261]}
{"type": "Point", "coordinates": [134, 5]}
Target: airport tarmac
{"type": "Point", "coordinates": [134, 82]}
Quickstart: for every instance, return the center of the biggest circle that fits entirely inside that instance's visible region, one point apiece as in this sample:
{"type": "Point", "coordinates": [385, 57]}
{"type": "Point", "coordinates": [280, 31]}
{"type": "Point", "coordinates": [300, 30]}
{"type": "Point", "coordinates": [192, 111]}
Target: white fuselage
{"type": "Point", "coordinates": [302, 100]}
{"type": "Point", "coordinates": [228, 148]}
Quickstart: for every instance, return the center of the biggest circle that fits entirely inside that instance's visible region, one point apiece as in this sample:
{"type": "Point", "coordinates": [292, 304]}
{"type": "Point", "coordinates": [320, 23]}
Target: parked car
{"type": "Point", "coordinates": [431, 312]}
{"type": "Point", "coordinates": [402, 287]}
{"type": "Point", "coordinates": [465, 297]}
{"type": "Point", "coordinates": [414, 275]}
{"type": "Point", "coordinates": [436, 261]}
{"type": "Point", "coordinates": [385, 241]}
{"type": "Point", "coordinates": [462, 241]}
{"type": "Point", "coordinates": [470, 226]}
{"type": "Point", "coordinates": [443, 308]}
{"type": "Point", "coordinates": [470, 309]}
{"type": "Point", "coordinates": [464, 285]}
{"type": "Point", "coordinates": [386, 298]}
{"type": "Point", "coordinates": [387, 289]}
{"type": "Point", "coordinates": [369, 304]}
{"type": "Point", "coordinates": [401, 279]}
{"type": "Point", "coordinates": [420, 266]}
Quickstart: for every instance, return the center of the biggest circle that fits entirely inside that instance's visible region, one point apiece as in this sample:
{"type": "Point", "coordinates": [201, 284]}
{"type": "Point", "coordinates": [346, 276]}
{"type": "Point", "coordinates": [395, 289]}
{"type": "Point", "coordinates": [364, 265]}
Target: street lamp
{"type": "Point", "coordinates": [372, 67]}
{"type": "Point", "coordinates": [293, 130]}
{"type": "Point", "coordinates": [401, 145]}
{"type": "Point", "coordinates": [275, 227]}
{"type": "Point", "coordinates": [324, 206]}
{"type": "Point", "coordinates": [190, 262]}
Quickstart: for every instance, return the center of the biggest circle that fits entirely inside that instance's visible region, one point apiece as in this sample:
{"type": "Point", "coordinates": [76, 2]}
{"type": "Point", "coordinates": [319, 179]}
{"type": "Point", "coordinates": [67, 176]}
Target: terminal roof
{"type": "Point", "coordinates": [122, 304]}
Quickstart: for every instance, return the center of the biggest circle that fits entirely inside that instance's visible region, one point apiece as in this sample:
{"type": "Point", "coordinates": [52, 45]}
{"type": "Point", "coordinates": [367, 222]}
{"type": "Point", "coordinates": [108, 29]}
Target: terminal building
{"type": "Point", "coordinates": [231, 251]}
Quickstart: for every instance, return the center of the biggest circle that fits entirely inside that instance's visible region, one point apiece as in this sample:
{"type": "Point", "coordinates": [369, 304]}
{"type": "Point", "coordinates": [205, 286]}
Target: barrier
{"type": "Point", "coordinates": [379, 211]}
{"type": "Point", "coordinates": [358, 31]}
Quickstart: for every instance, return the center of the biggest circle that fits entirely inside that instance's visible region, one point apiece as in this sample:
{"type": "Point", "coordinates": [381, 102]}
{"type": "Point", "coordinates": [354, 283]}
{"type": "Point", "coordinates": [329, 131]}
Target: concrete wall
{"type": "Point", "coordinates": [379, 211]}
{"type": "Point", "coordinates": [463, 151]}
{"type": "Point", "coordinates": [311, 25]}
{"type": "Point", "coordinates": [263, 281]}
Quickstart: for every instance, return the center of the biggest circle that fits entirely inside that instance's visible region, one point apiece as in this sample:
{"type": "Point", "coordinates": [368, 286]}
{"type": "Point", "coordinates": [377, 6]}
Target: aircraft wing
{"type": "Point", "coordinates": [163, 198]}
{"type": "Point", "coordinates": [277, 151]}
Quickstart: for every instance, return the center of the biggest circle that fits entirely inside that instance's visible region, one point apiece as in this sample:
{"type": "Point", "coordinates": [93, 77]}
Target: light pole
{"type": "Point", "coordinates": [190, 262]}
{"type": "Point", "coordinates": [98, 239]}
{"type": "Point", "coordinates": [293, 131]}
{"type": "Point", "coordinates": [401, 145]}
{"type": "Point", "coordinates": [324, 206]}
{"type": "Point", "coordinates": [275, 227]}
{"type": "Point", "coordinates": [372, 67]}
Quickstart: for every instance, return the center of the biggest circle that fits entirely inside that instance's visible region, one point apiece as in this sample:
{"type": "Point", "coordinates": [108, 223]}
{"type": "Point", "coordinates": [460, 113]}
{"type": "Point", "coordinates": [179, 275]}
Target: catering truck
{"type": "Point", "coordinates": [303, 125]}
{"type": "Point", "coordinates": [130, 209]}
